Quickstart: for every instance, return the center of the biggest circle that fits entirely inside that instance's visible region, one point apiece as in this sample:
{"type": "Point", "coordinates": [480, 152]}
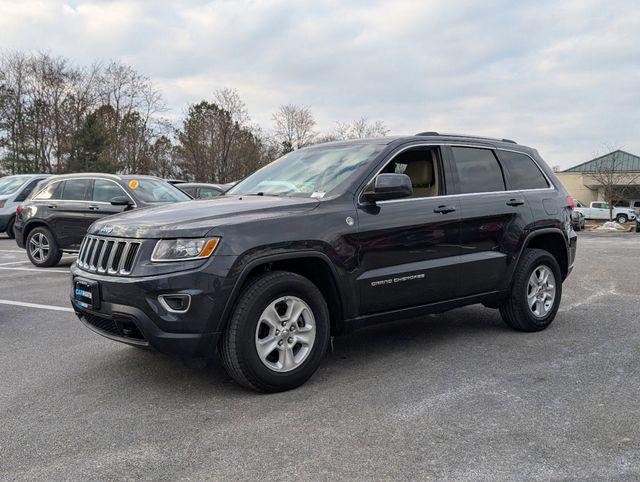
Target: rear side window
{"type": "Point", "coordinates": [522, 171]}
{"type": "Point", "coordinates": [209, 192]}
{"type": "Point", "coordinates": [52, 191]}
{"type": "Point", "coordinates": [478, 170]}
{"type": "Point", "coordinates": [76, 190]}
{"type": "Point", "coordinates": [104, 191]}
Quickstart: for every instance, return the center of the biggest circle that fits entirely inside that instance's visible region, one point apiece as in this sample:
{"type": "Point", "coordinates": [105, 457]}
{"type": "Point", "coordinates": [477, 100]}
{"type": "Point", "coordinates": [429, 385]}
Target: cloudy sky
{"type": "Point", "coordinates": [562, 76]}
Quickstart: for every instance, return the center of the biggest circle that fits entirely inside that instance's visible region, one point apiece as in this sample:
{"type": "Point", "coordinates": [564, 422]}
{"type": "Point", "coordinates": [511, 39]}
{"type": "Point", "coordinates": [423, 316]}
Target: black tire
{"type": "Point", "coordinates": [621, 219]}
{"type": "Point", "coordinates": [515, 311]}
{"type": "Point", "coordinates": [10, 232]}
{"type": "Point", "coordinates": [238, 344]}
{"type": "Point", "coordinates": [52, 256]}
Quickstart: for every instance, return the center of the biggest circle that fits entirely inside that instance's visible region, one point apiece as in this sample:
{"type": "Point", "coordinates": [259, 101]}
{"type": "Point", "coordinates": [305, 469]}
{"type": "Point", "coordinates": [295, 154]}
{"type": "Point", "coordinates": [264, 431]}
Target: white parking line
{"type": "Point", "coordinates": [38, 270]}
{"type": "Point", "coordinates": [12, 251]}
{"type": "Point", "coordinates": [35, 305]}
{"type": "Point", "coordinates": [15, 262]}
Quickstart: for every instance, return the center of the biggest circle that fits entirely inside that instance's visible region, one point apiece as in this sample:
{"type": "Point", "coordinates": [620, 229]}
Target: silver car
{"type": "Point", "coordinates": [14, 190]}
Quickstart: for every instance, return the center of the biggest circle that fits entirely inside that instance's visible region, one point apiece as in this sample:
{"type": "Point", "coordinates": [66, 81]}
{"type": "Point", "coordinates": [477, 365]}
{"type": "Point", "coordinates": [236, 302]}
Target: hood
{"type": "Point", "coordinates": [197, 218]}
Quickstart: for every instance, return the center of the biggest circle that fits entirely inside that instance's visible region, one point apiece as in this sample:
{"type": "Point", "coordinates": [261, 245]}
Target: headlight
{"type": "Point", "coordinates": [184, 249]}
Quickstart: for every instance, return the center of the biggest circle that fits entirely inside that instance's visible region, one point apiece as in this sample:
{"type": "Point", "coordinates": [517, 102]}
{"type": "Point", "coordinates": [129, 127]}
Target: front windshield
{"type": "Point", "coordinates": [310, 172]}
{"type": "Point", "coordinates": [156, 191]}
{"type": "Point", "coordinates": [11, 184]}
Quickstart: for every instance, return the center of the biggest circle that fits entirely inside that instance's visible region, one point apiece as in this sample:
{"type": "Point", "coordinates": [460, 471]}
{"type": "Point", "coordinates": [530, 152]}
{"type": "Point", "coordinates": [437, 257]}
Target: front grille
{"type": "Point", "coordinates": [103, 324]}
{"type": "Point", "coordinates": [112, 256]}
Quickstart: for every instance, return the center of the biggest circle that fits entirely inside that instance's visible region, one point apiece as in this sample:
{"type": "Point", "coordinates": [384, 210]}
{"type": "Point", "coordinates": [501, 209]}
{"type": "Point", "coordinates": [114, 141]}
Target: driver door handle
{"type": "Point", "coordinates": [94, 207]}
{"type": "Point", "coordinates": [52, 206]}
{"type": "Point", "coordinates": [444, 209]}
{"type": "Point", "coordinates": [515, 202]}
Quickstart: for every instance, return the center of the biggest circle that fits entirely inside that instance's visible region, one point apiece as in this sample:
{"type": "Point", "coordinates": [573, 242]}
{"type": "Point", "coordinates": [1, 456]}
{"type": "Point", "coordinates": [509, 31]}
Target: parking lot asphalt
{"type": "Point", "coordinates": [456, 396]}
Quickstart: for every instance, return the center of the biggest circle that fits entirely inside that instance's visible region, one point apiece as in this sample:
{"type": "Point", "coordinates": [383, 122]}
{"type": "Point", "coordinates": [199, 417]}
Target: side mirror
{"type": "Point", "coordinates": [388, 186]}
{"type": "Point", "coordinates": [121, 201]}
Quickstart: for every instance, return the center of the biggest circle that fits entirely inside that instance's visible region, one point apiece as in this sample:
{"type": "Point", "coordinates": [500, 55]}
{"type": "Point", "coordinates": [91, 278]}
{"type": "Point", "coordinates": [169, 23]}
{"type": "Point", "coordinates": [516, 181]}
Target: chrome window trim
{"type": "Point", "coordinates": [135, 205]}
{"type": "Point", "coordinates": [551, 186]}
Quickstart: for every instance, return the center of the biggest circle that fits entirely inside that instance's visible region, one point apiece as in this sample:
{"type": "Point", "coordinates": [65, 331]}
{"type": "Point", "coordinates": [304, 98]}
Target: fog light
{"type": "Point", "coordinates": [175, 303]}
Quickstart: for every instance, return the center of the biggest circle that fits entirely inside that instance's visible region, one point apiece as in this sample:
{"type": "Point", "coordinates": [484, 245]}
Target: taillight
{"type": "Point", "coordinates": [19, 210]}
{"type": "Point", "coordinates": [570, 202]}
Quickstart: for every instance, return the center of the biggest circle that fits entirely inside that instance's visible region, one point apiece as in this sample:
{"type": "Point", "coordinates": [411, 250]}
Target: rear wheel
{"type": "Point", "coordinates": [278, 333]}
{"type": "Point", "coordinates": [10, 226]}
{"type": "Point", "coordinates": [42, 248]}
{"type": "Point", "coordinates": [536, 291]}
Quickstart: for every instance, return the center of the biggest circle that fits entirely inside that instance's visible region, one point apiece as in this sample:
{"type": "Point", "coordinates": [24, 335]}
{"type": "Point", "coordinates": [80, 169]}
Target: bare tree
{"type": "Point", "coordinates": [360, 129]}
{"type": "Point", "coordinates": [610, 173]}
{"type": "Point", "coordinates": [294, 127]}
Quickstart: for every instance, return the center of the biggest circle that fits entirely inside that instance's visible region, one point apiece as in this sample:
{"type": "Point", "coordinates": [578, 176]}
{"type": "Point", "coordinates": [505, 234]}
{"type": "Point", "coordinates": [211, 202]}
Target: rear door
{"type": "Point", "coordinates": [407, 248]}
{"type": "Point", "coordinates": [73, 215]}
{"type": "Point", "coordinates": [492, 220]}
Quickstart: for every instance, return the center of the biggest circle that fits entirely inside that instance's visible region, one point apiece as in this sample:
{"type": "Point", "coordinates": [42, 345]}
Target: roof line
{"type": "Point", "coordinates": [598, 158]}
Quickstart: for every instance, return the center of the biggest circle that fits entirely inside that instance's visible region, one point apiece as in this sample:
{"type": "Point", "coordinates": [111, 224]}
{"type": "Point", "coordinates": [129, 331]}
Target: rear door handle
{"type": "Point", "coordinates": [515, 202]}
{"type": "Point", "coordinates": [93, 207]}
{"type": "Point", "coordinates": [444, 209]}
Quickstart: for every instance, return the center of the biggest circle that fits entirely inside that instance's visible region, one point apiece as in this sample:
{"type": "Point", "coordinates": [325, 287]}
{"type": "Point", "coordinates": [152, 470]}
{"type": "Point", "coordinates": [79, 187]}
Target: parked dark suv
{"type": "Point", "coordinates": [56, 218]}
{"type": "Point", "coordinates": [328, 239]}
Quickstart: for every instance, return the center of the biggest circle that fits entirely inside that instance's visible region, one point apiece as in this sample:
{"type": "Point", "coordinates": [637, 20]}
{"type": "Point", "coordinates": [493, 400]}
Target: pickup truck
{"type": "Point", "coordinates": [600, 210]}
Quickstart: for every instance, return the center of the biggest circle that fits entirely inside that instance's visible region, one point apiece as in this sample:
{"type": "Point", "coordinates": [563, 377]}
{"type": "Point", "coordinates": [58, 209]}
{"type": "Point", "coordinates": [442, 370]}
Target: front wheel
{"type": "Point", "coordinates": [278, 333]}
{"type": "Point", "coordinates": [621, 218]}
{"type": "Point", "coordinates": [42, 248]}
{"type": "Point", "coordinates": [536, 291]}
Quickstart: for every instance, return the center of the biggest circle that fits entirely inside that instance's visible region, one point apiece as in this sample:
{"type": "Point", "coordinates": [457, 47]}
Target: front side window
{"type": "Point", "coordinates": [10, 184]}
{"type": "Point", "coordinates": [422, 167]}
{"type": "Point", "coordinates": [311, 172]}
{"type": "Point", "coordinates": [156, 191]}
{"type": "Point", "coordinates": [76, 190]}
{"type": "Point", "coordinates": [104, 191]}
{"type": "Point", "coordinates": [478, 170]}
{"type": "Point", "coordinates": [52, 191]}
{"type": "Point", "coordinates": [522, 171]}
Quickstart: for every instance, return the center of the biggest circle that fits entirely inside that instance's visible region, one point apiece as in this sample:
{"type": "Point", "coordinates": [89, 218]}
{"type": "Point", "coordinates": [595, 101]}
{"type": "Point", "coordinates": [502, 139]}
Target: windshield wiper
{"type": "Point", "coordinates": [261, 193]}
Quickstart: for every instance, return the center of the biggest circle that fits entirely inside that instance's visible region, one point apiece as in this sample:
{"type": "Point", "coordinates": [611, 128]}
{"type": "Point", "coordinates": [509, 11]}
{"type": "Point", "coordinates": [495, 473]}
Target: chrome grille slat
{"type": "Point", "coordinates": [104, 255]}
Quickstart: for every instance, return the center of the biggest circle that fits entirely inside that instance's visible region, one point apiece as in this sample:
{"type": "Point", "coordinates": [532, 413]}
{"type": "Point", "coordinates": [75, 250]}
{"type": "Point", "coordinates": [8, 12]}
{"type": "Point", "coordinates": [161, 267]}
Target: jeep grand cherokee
{"type": "Point", "coordinates": [328, 239]}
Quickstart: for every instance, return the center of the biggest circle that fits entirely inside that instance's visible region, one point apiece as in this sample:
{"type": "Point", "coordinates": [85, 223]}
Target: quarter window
{"type": "Point", "coordinates": [478, 170]}
{"type": "Point", "coordinates": [76, 190]}
{"type": "Point", "coordinates": [105, 191]}
{"type": "Point", "coordinates": [522, 171]}
{"type": "Point", "coordinates": [52, 191]}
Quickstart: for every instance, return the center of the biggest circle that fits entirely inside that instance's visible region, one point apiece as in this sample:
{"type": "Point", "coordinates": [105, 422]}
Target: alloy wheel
{"type": "Point", "coordinates": [541, 291]}
{"type": "Point", "coordinates": [285, 334]}
{"type": "Point", "coordinates": [39, 247]}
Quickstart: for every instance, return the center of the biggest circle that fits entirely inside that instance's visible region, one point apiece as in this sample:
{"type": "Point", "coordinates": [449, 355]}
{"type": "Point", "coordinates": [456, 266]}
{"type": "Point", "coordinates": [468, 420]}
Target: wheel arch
{"type": "Point", "coordinates": [31, 225]}
{"type": "Point", "coordinates": [313, 265]}
{"type": "Point", "coordinates": [554, 242]}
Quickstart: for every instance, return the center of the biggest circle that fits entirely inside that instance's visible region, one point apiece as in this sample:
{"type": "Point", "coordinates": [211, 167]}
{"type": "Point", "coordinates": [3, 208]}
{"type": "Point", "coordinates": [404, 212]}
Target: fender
{"type": "Point", "coordinates": [532, 235]}
{"type": "Point", "coordinates": [235, 292]}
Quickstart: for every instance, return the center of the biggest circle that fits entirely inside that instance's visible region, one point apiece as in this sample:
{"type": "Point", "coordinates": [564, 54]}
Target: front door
{"type": "Point", "coordinates": [407, 247]}
{"type": "Point", "coordinates": [73, 216]}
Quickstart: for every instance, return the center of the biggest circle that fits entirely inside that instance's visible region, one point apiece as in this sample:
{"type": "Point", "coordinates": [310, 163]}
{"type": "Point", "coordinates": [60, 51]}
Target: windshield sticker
{"type": "Point", "coordinates": [318, 194]}
{"type": "Point", "coordinates": [133, 184]}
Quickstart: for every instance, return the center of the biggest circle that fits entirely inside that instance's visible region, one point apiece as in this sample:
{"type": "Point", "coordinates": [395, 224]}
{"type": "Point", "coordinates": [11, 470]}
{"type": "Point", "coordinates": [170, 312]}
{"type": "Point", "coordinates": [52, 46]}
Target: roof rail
{"type": "Point", "coordinates": [433, 133]}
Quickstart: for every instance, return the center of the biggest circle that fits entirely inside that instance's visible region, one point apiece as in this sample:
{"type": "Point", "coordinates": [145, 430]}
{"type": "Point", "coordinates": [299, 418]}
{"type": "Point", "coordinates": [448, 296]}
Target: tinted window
{"type": "Point", "coordinates": [599, 205]}
{"type": "Point", "coordinates": [208, 192]}
{"type": "Point", "coordinates": [76, 190]}
{"type": "Point", "coordinates": [522, 171]}
{"type": "Point", "coordinates": [52, 191]}
{"type": "Point", "coordinates": [478, 170]}
{"type": "Point", "coordinates": [104, 191]}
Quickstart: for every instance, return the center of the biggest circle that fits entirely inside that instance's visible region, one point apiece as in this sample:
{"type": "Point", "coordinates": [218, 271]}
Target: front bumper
{"type": "Point", "coordinates": [130, 312]}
